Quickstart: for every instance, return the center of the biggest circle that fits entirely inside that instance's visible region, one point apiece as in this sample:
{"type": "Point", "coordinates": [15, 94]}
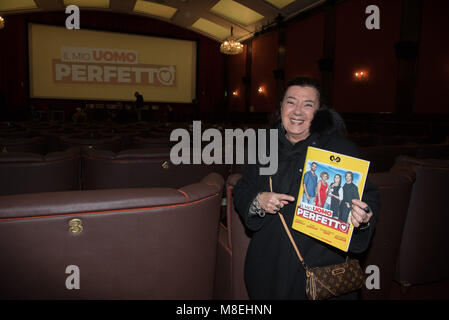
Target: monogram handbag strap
{"type": "Point", "coordinates": [287, 230]}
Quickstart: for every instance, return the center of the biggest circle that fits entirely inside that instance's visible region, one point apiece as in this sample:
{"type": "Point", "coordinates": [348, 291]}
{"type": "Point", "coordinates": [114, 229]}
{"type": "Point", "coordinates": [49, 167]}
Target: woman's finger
{"type": "Point", "coordinates": [272, 202]}
{"type": "Point", "coordinates": [285, 197]}
{"type": "Point", "coordinates": [362, 205]}
{"type": "Point", "coordinates": [359, 215]}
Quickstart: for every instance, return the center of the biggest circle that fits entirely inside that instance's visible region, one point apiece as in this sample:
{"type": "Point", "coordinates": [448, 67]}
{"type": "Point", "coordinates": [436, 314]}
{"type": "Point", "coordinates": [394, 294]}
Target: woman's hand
{"type": "Point", "coordinates": [272, 202]}
{"type": "Point", "coordinates": [358, 213]}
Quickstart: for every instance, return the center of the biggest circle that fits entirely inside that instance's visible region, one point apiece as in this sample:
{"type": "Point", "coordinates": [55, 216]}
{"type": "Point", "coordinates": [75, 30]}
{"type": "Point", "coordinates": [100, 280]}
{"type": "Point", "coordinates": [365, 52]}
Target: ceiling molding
{"type": "Point", "coordinates": [189, 11]}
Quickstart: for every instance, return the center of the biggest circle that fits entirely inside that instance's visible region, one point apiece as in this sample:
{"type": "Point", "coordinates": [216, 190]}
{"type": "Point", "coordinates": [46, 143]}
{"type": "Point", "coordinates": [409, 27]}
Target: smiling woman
{"type": "Point", "coordinates": [272, 270]}
{"type": "Point", "coordinates": [297, 111]}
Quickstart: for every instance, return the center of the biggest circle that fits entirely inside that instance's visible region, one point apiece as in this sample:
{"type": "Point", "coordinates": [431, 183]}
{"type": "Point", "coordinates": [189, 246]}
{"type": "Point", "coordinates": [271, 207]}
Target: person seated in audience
{"type": "Point", "coordinates": [272, 269]}
{"type": "Point", "coordinates": [79, 116]}
{"type": "Point", "coordinates": [138, 105]}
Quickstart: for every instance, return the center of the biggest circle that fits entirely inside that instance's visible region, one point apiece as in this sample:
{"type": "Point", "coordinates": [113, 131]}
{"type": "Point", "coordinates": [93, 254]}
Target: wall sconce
{"type": "Point", "coordinates": [235, 93]}
{"type": "Point", "coordinates": [361, 75]}
{"type": "Point", "coordinates": [261, 90]}
{"type": "Point", "coordinates": [2, 22]}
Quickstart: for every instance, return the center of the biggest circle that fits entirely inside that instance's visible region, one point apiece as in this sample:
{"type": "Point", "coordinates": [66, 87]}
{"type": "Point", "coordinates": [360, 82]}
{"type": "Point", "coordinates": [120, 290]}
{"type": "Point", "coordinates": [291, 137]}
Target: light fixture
{"type": "Point", "coordinates": [2, 22]}
{"type": "Point", "coordinates": [231, 46]}
{"type": "Point", "coordinates": [261, 90]}
{"type": "Point", "coordinates": [235, 93]}
{"type": "Point", "coordinates": [361, 75]}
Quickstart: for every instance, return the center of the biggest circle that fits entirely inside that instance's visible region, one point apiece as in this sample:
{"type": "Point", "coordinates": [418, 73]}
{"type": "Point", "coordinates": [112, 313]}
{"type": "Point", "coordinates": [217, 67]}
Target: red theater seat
{"type": "Point", "coordinates": [395, 189]}
{"type": "Point", "coordinates": [21, 144]}
{"type": "Point", "coordinates": [141, 168]}
{"type": "Point", "coordinates": [147, 243]}
{"type": "Point", "coordinates": [92, 140]}
{"type": "Point", "coordinates": [30, 172]}
{"type": "Point", "coordinates": [232, 246]}
{"type": "Point", "coordinates": [424, 252]}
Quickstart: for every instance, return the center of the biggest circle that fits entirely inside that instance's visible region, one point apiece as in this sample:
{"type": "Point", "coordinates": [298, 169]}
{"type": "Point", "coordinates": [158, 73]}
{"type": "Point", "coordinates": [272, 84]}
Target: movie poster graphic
{"type": "Point", "coordinates": [329, 183]}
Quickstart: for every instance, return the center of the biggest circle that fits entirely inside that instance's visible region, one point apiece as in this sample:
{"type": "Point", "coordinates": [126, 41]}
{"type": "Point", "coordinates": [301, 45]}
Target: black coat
{"type": "Point", "coordinates": [272, 268]}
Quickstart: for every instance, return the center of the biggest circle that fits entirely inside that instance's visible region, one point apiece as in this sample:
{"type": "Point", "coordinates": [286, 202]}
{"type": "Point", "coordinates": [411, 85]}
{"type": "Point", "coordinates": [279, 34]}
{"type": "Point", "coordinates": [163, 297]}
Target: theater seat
{"type": "Point", "coordinates": [141, 168]}
{"type": "Point", "coordinates": [92, 140]}
{"type": "Point", "coordinates": [154, 141]}
{"type": "Point", "coordinates": [147, 243]}
{"type": "Point", "coordinates": [53, 137]}
{"type": "Point", "coordinates": [31, 172]}
{"type": "Point", "coordinates": [424, 252]}
{"type": "Point", "coordinates": [395, 189]}
{"type": "Point", "coordinates": [33, 145]}
{"type": "Point", "coordinates": [233, 244]}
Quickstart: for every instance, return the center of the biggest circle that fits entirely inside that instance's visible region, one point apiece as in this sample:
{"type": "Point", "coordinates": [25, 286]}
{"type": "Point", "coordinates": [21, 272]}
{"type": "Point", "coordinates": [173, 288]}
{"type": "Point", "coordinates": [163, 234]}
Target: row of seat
{"type": "Point", "coordinates": [89, 169]}
{"type": "Point", "coordinates": [167, 243]}
{"type": "Point", "coordinates": [409, 244]}
{"type": "Point", "coordinates": [61, 140]}
{"type": "Point", "coordinates": [145, 167]}
{"type": "Point", "coordinates": [142, 243]}
{"type": "Point", "coordinates": [383, 157]}
{"type": "Point", "coordinates": [44, 138]}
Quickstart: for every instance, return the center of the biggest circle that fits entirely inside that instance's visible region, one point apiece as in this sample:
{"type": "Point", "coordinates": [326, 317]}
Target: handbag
{"type": "Point", "coordinates": [328, 281]}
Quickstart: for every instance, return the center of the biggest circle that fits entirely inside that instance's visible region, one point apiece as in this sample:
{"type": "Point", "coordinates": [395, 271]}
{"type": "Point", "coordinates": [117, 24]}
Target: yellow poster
{"type": "Point", "coordinates": [97, 65]}
{"type": "Point", "coordinates": [330, 181]}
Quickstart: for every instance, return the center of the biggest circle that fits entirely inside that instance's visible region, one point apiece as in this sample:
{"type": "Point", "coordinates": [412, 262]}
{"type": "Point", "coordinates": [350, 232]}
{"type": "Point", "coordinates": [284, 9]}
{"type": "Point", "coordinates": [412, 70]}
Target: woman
{"type": "Point", "coordinates": [335, 196]}
{"type": "Point", "coordinates": [272, 269]}
{"type": "Point", "coordinates": [321, 190]}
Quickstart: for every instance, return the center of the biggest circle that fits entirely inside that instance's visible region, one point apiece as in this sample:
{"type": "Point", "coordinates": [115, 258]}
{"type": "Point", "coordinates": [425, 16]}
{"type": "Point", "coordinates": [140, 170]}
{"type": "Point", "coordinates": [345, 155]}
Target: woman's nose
{"type": "Point", "coordinates": [298, 109]}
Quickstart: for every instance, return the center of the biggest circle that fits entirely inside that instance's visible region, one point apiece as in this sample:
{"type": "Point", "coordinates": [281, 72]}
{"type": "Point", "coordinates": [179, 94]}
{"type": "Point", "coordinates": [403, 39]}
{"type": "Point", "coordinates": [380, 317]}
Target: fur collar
{"type": "Point", "coordinates": [327, 121]}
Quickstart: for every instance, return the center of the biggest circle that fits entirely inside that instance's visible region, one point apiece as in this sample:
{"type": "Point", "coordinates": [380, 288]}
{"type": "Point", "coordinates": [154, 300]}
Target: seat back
{"type": "Point", "coordinates": [239, 241]}
{"type": "Point", "coordinates": [148, 243]}
{"type": "Point", "coordinates": [424, 251]}
{"type": "Point", "coordinates": [137, 168]}
{"type": "Point", "coordinates": [30, 172]}
{"type": "Point", "coordinates": [23, 144]}
{"type": "Point", "coordinates": [395, 189]}
{"type": "Point", "coordinates": [92, 140]}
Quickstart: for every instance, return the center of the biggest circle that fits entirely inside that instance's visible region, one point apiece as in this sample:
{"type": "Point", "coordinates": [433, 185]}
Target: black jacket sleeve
{"type": "Point", "coordinates": [244, 194]}
{"type": "Point", "coordinates": [362, 237]}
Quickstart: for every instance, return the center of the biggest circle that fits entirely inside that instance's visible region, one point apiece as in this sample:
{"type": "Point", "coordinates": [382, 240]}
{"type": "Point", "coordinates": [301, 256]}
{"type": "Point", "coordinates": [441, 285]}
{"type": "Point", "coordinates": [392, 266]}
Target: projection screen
{"type": "Point", "coordinates": [95, 65]}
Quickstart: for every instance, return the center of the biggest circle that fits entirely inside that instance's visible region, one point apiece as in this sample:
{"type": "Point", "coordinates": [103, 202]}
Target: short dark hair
{"type": "Point", "coordinates": [304, 82]}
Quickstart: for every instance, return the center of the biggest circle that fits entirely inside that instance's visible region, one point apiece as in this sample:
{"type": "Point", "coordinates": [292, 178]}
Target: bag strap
{"type": "Point", "coordinates": [287, 230]}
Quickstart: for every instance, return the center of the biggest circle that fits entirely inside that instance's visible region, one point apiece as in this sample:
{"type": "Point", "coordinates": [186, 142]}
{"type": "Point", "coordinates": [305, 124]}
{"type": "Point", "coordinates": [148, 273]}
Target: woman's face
{"type": "Point", "coordinates": [297, 111]}
{"type": "Point", "coordinates": [337, 179]}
